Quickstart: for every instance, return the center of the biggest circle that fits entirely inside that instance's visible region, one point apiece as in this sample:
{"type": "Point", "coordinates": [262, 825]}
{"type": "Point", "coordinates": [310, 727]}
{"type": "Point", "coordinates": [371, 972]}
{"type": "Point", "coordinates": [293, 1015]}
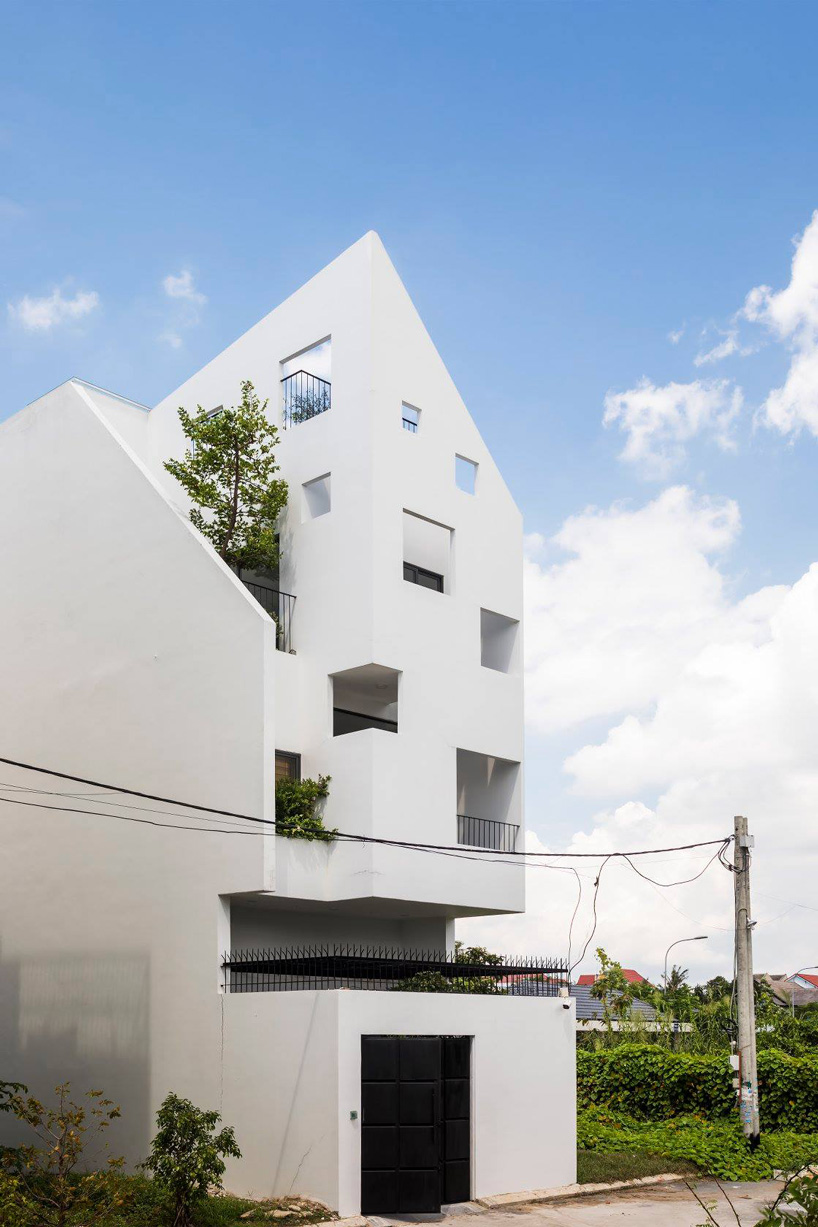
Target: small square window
{"type": "Point", "coordinates": [411, 418]}
{"type": "Point", "coordinates": [288, 766]}
{"type": "Point", "coordinates": [317, 498]}
{"type": "Point", "coordinates": [465, 474]}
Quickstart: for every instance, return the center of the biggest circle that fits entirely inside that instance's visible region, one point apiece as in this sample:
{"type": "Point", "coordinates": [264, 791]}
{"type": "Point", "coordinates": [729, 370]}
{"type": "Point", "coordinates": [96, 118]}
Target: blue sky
{"type": "Point", "coordinates": [561, 186]}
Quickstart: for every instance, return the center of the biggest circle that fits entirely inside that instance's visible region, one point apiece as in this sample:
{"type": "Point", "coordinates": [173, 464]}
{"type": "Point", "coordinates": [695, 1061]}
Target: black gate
{"type": "Point", "coordinates": [415, 1122]}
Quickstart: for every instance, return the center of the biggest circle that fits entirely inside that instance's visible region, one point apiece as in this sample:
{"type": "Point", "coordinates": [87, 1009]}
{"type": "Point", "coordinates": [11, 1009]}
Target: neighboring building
{"type": "Point", "coordinates": [590, 1010]}
{"type": "Point", "coordinates": [633, 977]}
{"type": "Point", "coordinates": [132, 655]}
{"type": "Point", "coordinates": [796, 990]}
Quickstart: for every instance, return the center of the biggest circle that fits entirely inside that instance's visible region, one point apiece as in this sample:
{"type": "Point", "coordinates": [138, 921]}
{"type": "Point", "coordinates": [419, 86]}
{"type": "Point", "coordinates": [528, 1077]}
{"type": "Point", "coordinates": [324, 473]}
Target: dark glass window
{"type": "Point", "coordinates": [288, 766]}
{"type": "Point", "coordinates": [419, 575]}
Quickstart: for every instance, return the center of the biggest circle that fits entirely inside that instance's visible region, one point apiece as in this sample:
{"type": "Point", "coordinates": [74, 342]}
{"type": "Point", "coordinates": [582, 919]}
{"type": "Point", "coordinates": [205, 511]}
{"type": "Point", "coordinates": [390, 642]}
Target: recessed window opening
{"type": "Point", "coordinates": [306, 383]}
{"type": "Point", "coordinates": [427, 552]}
{"type": "Point", "coordinates": [465, 474]}
{"type": "Point", "coordinates": [317, 498]}
{"type": "Point", "coordinates": [499, 637]}
{"type": "Point", "coordinates": [488, 801]}
{"type": "Point", "coordinates": [365, 698]}
{"type": "Point", "coordinates": [288, 765]}
{"type": "Point", "coordinates": [411, 418]}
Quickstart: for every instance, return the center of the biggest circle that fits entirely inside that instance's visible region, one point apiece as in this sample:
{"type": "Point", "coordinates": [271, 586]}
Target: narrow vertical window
{"type": "Point", "coordinates": [465, 474]}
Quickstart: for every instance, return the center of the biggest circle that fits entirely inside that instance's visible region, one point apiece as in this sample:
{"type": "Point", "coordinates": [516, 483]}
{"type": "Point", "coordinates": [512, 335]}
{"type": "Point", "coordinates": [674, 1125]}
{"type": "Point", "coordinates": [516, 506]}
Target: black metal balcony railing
{"type": "Point", "coordinates": [486, 833]}
{"type": "Point", "coordinates": [385, 968]}
{"type": "Point", "coordinates": [305, 396]}
{"type": "Point", "coordinates": [409, 424]}
{"type": "Point", "coordinates": [280, 606]}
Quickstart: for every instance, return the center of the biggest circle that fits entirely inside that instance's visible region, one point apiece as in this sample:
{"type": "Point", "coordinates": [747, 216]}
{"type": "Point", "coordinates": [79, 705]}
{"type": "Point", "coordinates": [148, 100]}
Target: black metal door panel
{"type": "Point", "coordinates": [456, 1182]}
{"type": "Point", "coordinates": [415, 1123]}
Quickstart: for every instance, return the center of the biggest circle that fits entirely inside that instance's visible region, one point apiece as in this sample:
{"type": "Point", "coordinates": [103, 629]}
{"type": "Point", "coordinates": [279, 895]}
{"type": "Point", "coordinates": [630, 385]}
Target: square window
{"type": "Point", "coordinates": [465, 474]}
{"type": "Point", "coordinates": [411, 418]}
{"type": "Point", "coordinates": [365, 698]}
{"type": "Point", "coordinates": [499, 637]}
{"type": "Point", "coordinates": [317, 498]}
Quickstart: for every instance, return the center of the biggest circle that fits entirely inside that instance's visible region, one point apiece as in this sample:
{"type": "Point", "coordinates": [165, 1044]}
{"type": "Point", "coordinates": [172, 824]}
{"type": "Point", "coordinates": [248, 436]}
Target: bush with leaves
{"type": "Point", "coordinates": [187, 1155]}
{"type": "Point", "coordinates": [297, 803]}
{"type": "Point", "coordinates": [651, 1083]}
{"type": "Point", "coordinates": [796, 1204]}
{"type": "Point", "coordinates": [717, 1147]}
{"type": "Point", "coordinates": [46, 1185]}
{"type": "Point", "coordinates": [228, 471]}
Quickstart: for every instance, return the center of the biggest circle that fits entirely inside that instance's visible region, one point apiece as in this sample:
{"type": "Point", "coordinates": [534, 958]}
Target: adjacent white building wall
{"type": "Point", "coordinates": [133, 657]}
{"type": "Point", "coordinates": [307, 1062]}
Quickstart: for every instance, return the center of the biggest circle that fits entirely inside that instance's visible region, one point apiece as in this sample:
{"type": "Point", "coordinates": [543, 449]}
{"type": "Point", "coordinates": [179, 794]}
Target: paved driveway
{"type": "Point", "coordinates": [669, 1205]}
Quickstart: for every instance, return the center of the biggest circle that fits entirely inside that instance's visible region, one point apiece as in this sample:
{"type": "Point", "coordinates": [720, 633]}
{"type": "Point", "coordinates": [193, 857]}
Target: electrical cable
{"type": "Point", "coordinates": [593, 927]}
{"type": "Point", "coordinates": [343, 835]}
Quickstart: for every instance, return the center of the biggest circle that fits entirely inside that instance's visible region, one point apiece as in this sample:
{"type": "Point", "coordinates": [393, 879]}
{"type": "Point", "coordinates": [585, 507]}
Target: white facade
{"type": "Point", "coordinates": [131, 654]}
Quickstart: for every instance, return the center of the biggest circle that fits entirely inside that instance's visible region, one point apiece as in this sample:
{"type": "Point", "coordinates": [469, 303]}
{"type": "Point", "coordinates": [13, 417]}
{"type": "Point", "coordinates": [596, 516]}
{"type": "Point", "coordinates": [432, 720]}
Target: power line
{"type": "Point", "coordinates": [343, 835]}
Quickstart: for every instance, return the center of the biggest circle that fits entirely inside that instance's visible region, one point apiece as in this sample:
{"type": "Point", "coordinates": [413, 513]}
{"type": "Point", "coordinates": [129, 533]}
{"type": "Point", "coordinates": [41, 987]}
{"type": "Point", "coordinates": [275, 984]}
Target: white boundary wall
{"type": "Point", "coordinates": [292, 1077]}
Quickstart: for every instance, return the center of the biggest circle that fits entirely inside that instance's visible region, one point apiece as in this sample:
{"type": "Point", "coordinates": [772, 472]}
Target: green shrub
{"type": "Point", "coordinates": [187, 1155]}
{"type": "Point", "coordinates": [650, 1083]}
{"type": "Point", "coordinates": [296, 805]}
{"type": "Point", "coordinates": [717, 1147]}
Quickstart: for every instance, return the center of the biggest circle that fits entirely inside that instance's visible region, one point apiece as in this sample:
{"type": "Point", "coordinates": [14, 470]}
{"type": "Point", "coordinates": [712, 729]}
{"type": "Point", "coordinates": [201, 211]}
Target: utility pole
{"type": "Point", "coordinates": [745, 995]}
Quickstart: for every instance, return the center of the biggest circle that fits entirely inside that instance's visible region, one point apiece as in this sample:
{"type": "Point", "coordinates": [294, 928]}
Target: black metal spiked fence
{"type": "Point", "coordinates": [386, 968]}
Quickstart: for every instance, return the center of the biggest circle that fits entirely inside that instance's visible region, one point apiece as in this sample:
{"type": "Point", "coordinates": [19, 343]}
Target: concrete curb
{"type": "Point", "coordinates": [503, 1201]}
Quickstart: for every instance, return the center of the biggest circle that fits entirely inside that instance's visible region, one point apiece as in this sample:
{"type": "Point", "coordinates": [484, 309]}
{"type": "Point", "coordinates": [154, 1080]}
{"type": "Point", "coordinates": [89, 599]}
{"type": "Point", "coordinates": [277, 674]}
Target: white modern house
{"type": "Point", "coordinates": [205, 954]}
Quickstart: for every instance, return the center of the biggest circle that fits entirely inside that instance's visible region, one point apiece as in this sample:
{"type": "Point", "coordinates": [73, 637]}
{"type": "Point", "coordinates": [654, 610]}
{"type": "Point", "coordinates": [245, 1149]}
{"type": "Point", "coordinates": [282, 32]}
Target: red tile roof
{"type": "Point", "coordinates": [633, 977]}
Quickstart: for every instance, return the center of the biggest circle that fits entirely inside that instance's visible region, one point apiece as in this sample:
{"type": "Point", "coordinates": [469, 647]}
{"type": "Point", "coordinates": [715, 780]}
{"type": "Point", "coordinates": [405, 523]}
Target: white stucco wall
{"type": "Point", "coordinates": [128, 654]}
{"type": "Point", "coordinates": [353, 607]}
{"type": "Point", "coordinates": [292, 1110]}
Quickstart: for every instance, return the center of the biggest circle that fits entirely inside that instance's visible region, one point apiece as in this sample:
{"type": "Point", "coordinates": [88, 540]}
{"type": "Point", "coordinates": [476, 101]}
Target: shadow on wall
{"type": "Point", "coordinates": [83, 1020]}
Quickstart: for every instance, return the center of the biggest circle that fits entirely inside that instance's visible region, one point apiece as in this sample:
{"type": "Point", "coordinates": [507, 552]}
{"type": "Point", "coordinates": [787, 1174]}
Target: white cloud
{"type": "Point", "coordinates": [607, 627]}
{"type": "Point", "coordinates": [726, 348]}
{"type": "Point", "coordinates": [718, 705]}
{"type": "Point", "coordinates": [182, 286]}
{"type": "Point", "coordinates": [43, 314]}
{"type": "Point", "coordinates": [187, 310]}
{"type": "Point", "coordinates": [659, 421]}
{"type": "Point", "coordinates": [676, 335]}
{"type": "Point", "coordinates": [791, 315]}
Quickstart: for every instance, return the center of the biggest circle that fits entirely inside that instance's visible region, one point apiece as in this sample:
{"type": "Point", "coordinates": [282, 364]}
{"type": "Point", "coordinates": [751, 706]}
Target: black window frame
{"type": "Point", "coordinates": [437, 586]}
{"type": "Point", "coordinates": [294, 761]}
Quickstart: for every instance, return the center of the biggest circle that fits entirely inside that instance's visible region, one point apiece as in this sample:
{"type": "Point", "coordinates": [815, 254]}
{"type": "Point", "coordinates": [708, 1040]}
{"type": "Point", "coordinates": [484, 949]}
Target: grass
{"type": "Point", "coordinates": [595, 1168]}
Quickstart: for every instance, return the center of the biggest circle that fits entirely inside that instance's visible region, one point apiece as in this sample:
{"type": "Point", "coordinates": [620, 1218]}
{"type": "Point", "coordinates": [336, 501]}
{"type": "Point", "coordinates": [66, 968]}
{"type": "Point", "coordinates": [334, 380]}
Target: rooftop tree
{"type": "Point", "coordinates": [228, 471]}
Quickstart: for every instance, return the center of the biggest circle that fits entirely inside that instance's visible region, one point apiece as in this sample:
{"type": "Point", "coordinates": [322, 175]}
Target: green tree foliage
{"type": "Point", "coordinates": [476, 954]}
{"type": "Point", "coordinates": [297, 803]}
{"type": "Point", "coordinates": [228, 471]}
{"type": "Point", "coordinates": [8, 1090]}
{"type": "Point", "coordinates": [187, 1155]}
{"type": "Point", "coordinates": [46, 1185]}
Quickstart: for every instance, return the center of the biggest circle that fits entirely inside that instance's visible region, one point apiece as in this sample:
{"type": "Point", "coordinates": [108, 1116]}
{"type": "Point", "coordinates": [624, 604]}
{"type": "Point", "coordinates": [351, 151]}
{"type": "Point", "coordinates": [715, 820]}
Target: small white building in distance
{"type": "Point", "coordinates": [149, 946]}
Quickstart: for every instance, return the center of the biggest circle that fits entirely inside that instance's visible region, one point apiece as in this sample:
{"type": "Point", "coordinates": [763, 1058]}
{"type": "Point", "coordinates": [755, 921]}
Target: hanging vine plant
{"type": "Point", "coordinates": [297, 809]}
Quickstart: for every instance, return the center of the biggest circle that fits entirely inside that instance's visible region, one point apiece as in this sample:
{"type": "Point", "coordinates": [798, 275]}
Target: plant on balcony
{"type": "Point", "coordinates": [228, 471]}
{"type": "Point", "coordinates": [297, 804]}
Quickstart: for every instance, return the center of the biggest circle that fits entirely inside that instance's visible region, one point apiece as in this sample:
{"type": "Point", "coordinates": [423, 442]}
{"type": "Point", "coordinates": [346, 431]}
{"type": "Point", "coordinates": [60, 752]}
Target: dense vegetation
{"type": "Point", "coordinates": [654, 1090]}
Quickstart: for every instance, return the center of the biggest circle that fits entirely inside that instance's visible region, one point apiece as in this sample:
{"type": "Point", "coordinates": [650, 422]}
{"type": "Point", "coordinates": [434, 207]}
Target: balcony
{"type": "Point", "coordinates": [305, 396]}
{"type": "Point", "coordinates": [487, 833]}
{"type": "Point", "coordinates": [280, 606]}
